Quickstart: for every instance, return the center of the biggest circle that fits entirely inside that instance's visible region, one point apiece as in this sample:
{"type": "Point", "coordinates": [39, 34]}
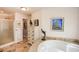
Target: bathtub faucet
{"type": "Point", "coordinates": [44, 34]}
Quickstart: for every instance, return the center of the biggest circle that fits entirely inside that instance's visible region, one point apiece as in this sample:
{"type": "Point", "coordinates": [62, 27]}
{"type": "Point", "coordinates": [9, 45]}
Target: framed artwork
{"type": "Point", "coordinates": [31, 22]}
{"type": "Point", "coordinates": [36, 22]}
{"type": "Point", "coordinates": [57, 23]}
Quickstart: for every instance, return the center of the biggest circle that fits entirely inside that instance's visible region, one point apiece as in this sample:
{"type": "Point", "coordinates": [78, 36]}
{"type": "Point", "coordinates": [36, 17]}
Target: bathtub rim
{"type": "Point", "coordinates": [68, 43]}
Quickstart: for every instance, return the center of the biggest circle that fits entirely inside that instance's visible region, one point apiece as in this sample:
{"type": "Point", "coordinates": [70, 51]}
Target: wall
{"type": "Point", "coordinates": [78, 25]}
{"type": "Point", "coordinates": [70, 22]}
{"type": "Point", "coordinates": [37, 32]}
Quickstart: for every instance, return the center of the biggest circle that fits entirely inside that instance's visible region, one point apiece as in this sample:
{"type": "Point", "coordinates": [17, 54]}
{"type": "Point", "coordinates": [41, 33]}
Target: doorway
{"type": "Point", "coordinates": [25, 30]}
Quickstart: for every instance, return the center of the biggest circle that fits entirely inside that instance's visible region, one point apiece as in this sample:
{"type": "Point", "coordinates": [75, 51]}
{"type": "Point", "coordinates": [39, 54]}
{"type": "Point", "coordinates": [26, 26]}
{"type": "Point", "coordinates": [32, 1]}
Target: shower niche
{"type": "Point", "coordinates": [6, 29]}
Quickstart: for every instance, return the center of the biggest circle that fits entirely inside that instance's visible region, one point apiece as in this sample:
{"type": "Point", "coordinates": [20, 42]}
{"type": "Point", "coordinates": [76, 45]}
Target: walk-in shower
{"type": "Point", "coordinates": [6, 30]}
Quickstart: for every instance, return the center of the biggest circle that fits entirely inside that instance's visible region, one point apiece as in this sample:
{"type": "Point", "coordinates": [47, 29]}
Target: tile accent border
{"type": "Point", "coordinates": [76, 41]}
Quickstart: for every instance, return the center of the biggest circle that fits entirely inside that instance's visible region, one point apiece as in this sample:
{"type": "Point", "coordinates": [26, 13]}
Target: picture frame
{"type": "Point", "coordinates": [57, 23]}
{"type": "Point", "coordinates": [36, 22]}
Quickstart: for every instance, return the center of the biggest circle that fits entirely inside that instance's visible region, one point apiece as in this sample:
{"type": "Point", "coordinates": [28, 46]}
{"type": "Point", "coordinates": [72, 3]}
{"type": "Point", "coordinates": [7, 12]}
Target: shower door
{"type": "Point", "coordinates": [6, 31]}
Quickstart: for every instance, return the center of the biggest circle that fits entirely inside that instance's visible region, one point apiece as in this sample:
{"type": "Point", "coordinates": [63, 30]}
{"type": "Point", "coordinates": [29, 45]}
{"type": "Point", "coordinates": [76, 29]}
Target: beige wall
{"type": "Point", "coordinates": [70, 22]}
{"type": "Point", "coordinates": [37, 31]}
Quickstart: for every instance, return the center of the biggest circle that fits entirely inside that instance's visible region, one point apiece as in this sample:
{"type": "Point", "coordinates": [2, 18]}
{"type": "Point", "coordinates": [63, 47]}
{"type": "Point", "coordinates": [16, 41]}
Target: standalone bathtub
{"type": "Point", "coordinates": [57, 46]}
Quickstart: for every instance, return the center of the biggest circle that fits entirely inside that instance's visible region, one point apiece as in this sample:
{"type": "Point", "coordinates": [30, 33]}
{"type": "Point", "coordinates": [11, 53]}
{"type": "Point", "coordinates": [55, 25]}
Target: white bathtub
{"type": "Point", "coordinates": [57, 46]}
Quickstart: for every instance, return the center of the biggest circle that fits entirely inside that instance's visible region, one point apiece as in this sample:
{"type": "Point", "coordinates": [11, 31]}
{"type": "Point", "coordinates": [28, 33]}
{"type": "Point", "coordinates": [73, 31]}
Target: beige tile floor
{"type": "Point", "coordinates": [17, 47]}
{"type": "Point", "coordinates": [34, 46]}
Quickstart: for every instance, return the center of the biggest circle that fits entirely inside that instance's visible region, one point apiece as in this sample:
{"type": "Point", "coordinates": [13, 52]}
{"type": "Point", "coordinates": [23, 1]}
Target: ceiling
{"type": "Point", "coordinates": [18, 9]}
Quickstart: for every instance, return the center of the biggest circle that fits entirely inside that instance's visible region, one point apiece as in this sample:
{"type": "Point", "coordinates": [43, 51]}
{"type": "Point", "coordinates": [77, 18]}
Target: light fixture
{"type": "Point", "coordinates": [23, 9]}
{"type": "Point", "coordinates": [1, 11]}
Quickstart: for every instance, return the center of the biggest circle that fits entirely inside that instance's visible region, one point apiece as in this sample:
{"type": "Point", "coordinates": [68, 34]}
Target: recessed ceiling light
{"type": "Point", "coordinates": [1, 11]}
{"type": "Point", "coordinates": [23, 9]}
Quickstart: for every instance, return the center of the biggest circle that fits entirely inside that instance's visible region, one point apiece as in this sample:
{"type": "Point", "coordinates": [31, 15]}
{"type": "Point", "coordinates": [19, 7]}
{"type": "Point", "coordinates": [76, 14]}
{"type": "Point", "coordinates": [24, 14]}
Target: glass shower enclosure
{"type": "Point", "coordinates": [6, 31]}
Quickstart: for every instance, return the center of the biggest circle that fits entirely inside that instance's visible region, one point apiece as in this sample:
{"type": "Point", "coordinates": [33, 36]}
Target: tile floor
{"type": "Point", "coordinates": [23, 46]}
{"type": "Point", "coordinates": [34, 46]}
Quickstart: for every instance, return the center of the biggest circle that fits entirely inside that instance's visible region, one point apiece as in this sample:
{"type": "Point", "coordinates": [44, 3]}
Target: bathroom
{"type": "Point", "coordinates": [26, 34]}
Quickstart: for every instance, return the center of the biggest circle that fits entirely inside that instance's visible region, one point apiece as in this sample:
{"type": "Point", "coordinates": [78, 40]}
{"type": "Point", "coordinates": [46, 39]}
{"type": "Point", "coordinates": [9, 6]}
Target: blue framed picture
{"type": "Point", "coordinates": [58, 24]}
